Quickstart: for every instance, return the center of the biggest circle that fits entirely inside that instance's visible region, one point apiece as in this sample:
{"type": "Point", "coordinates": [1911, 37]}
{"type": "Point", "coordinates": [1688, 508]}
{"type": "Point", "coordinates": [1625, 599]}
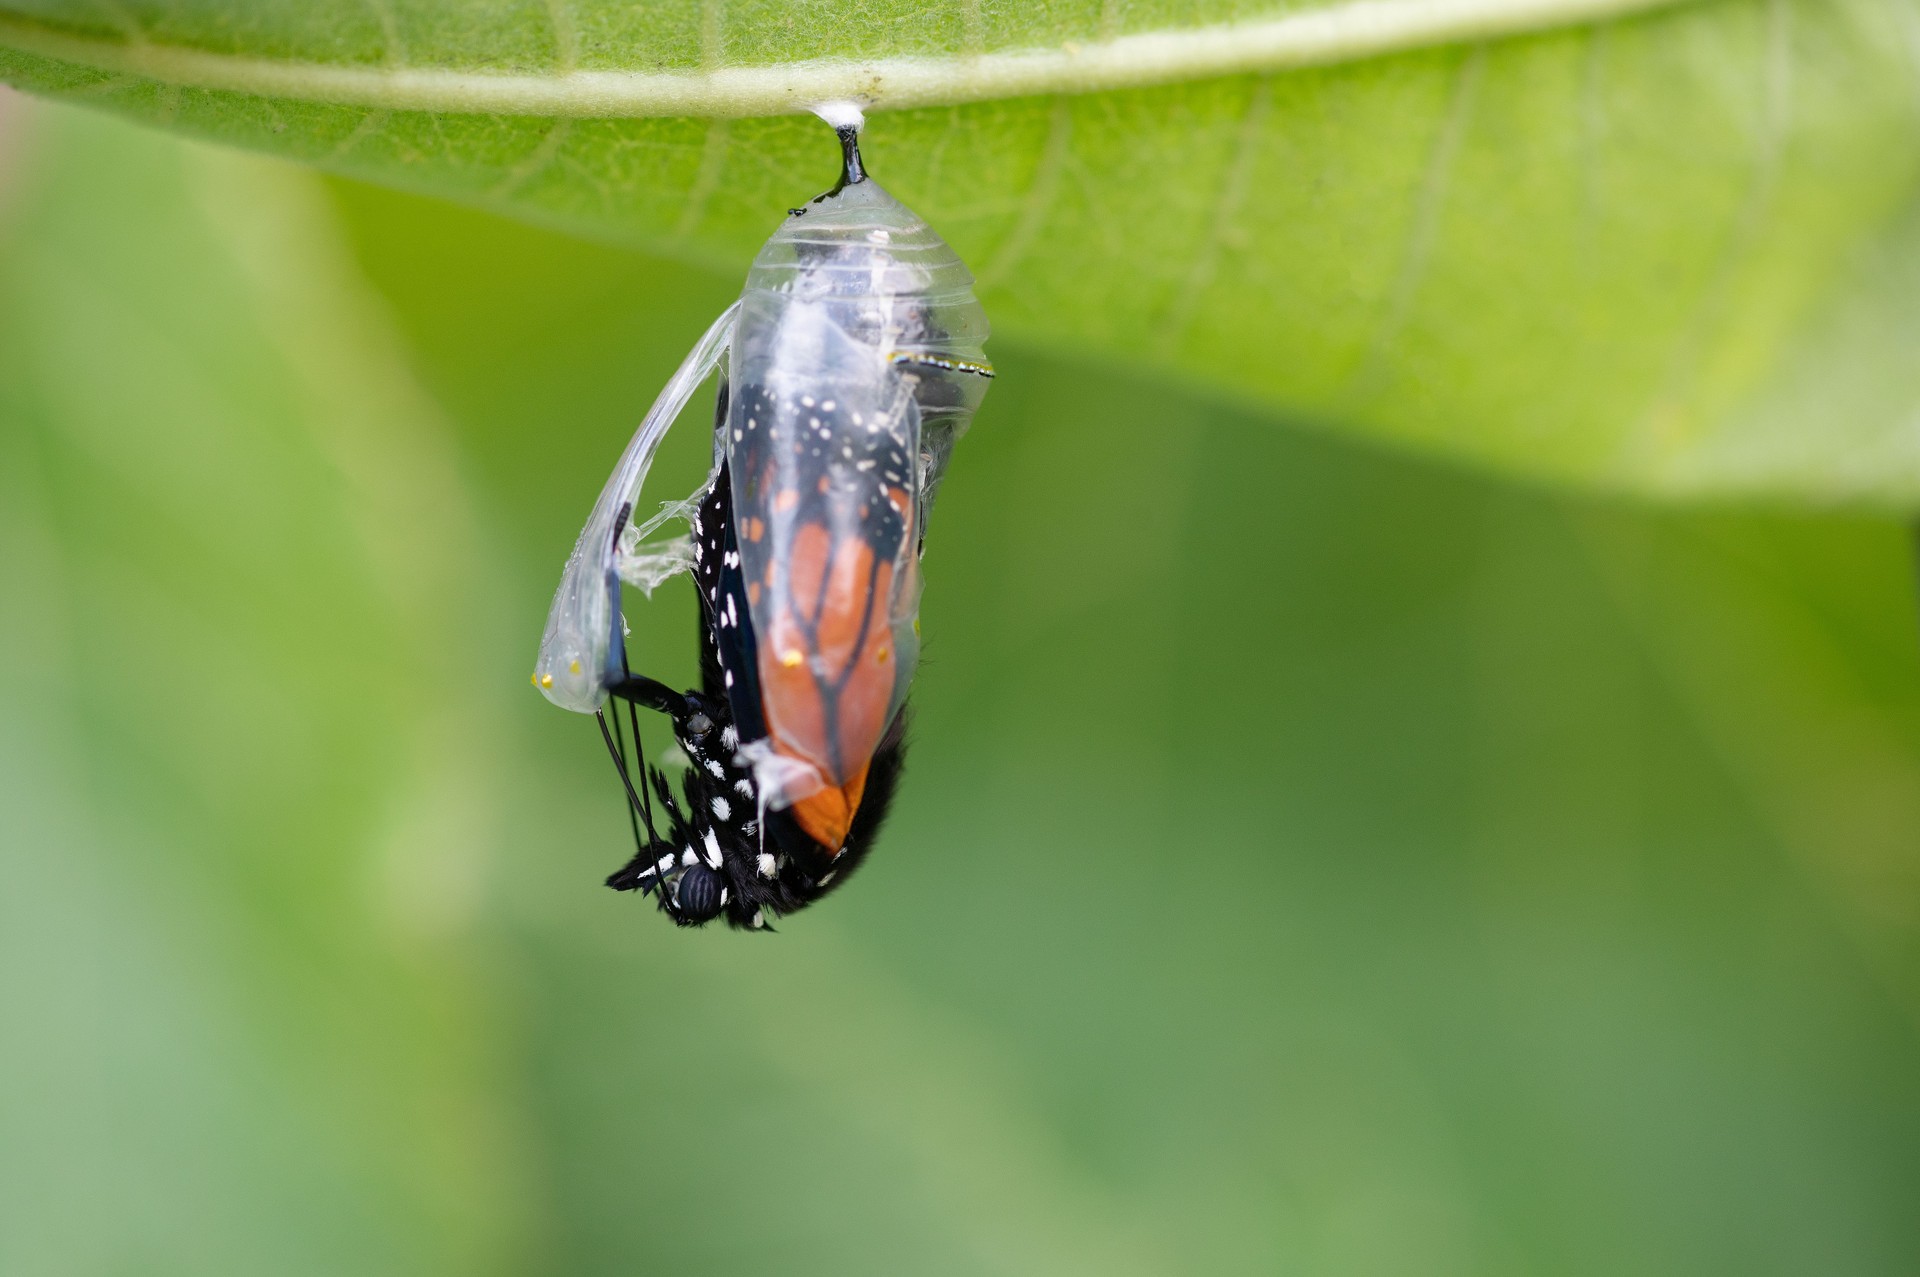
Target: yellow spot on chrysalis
{"type": "Point", "coordinates": [573, 667]}
{"type": "Point", "coordinates": [884, 652]}
{"type": "Point", "coordinates": [916, 627]}
{"type": "Point", "coordinates": [534, 679]}
{"type": "Point", "coordinates": [546, 680]}
{"type": "Point", "coordinates": [792, 657]}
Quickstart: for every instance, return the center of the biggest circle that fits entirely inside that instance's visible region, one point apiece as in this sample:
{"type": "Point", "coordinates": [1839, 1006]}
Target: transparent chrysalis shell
{"type": "Point", "coordinates": [854, 360]}
{"type": "Point", "coordinates": [582, 650]}
{"type": "Point", "coordinates": [857, 362]}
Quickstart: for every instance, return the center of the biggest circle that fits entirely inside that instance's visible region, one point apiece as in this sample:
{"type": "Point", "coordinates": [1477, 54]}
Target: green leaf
{"type": "Point", "coordinates": [1622, 243]}
{"type": "Point", "coordinates": [241, 801]}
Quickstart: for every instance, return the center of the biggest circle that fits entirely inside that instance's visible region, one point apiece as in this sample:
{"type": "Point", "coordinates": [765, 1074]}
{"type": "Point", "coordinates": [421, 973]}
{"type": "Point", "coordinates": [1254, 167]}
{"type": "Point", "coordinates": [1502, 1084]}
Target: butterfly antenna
{"type": "Point", "coordinates": [639, 750]}
{"type": "Point", "coordinates": [619, 755]}
{"type": "Point", "coordinates": [627, 765]}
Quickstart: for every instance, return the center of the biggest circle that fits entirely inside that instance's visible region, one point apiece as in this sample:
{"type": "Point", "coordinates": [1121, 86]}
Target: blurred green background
{"type": "Point", "coordinates": [1312, 861]}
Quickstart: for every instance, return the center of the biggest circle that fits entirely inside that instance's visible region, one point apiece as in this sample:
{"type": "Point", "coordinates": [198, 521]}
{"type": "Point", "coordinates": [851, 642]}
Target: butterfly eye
{"type": "Point", "coordinates": [699, 725]}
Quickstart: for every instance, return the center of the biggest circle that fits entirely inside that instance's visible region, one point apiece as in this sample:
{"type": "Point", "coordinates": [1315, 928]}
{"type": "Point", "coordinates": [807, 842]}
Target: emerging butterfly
{"type": "Point", "coordinates": [851, 364]}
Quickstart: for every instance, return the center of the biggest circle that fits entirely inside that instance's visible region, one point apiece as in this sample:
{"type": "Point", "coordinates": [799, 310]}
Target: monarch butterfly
{"type": "Point", "coordinates": [852, 363]}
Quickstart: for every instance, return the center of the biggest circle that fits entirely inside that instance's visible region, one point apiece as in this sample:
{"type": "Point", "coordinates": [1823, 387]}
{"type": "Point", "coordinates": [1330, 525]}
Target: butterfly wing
{"type": "Point", "coordinates": [824, 453]}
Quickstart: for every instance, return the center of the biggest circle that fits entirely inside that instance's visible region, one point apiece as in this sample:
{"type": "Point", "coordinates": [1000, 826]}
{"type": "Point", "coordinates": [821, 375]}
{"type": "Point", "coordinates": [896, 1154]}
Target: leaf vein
{"type": "Point", "coordinates": [566, 40]}
{"type": "Point", "coordinates": [370, 124]}
{"type": "Point", "coordinates": [1661, 429]}
{"type": "Point", "coordinates": [1041, 194]}
{"type": "Point", "coordinates": [713, 163]}
{"type": "Point", "coordinates": [389, 21]}
{"type": "Point", "coordinates": [1233, 193]}
{"type": "Point", "coordinates": [1593, 126]}
{"type": "Point", "coordinates": [537, 159]}
{"type": "Point", "coordinates": [1422, 228]}
{"type": "Point", "coordinates": [1343, 32]}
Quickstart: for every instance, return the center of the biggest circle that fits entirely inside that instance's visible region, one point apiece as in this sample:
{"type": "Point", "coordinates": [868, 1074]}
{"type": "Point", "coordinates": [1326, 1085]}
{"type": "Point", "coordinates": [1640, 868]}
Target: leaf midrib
{"type": "Point", "coordinates": [1342, 32]}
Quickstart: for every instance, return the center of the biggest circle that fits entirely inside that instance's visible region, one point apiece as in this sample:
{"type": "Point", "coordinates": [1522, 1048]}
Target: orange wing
{"type": "Point", "coordinates": [829, 490]}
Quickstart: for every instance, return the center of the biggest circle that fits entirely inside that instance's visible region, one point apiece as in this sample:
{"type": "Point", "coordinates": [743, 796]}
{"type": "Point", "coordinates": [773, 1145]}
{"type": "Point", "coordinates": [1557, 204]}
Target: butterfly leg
{"type": "Point", "coordinates": [649, 693]}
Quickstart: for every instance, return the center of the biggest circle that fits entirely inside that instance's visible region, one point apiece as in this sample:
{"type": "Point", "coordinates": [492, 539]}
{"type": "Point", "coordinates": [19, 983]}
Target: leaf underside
{"type": "Point", "coordinates": [1666, 252]}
